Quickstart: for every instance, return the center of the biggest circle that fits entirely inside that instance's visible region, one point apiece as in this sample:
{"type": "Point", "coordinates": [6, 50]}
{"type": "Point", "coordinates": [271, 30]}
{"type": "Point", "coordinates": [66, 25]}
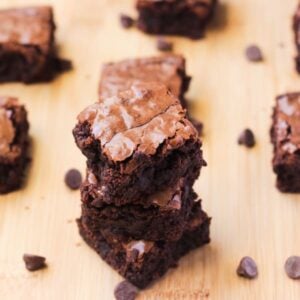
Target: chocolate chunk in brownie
{"type": "Point", "coordinates": [162, 216]}
{"type": "Point", "coordinates": [285, 134]}
{"type": "Point", "coordinates": [14, 143]}
{"type": "Point", "coordinates": [140, 261]}
{"type": "Point", "coordinates": [27, 50]}
{"type": "Point", "coordinates": [167, 69]}
{"type": "Point", "coordinates": [138, 142]}
{"type": "Point", "coordinates": [175, 17]}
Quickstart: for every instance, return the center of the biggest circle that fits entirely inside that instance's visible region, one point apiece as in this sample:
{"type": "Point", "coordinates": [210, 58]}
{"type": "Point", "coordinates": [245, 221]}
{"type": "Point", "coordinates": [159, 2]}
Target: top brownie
{"type": "Point", "coordinates": [168, 69]}
{"type": "Point", "coordinates": [13, 143]}
{"type": "Point", "coordinates": [137, 142]}
{"type": "Point", "coordinates": [175, 17]}
{"type": "Point", "coordinates": [27, 44]}
{"type": "Point", "coordinates": [286, 140]}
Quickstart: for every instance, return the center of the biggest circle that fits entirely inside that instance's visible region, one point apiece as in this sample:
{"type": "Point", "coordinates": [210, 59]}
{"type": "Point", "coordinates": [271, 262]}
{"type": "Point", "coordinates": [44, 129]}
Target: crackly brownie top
{"type": "Point", "coordinates": [199, 7]}
{"type": "Point", "coordinates": [287, 123]}
{"type": "Point", "coordinates": [27, 26]}
{"type": "Point", "coordinates": [138, 120]}
{"type": "Point", "coordinates": [119, 76]}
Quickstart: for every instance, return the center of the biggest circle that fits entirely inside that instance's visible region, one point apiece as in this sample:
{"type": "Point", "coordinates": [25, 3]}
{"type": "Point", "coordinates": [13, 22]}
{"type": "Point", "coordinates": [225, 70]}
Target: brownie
{"type": "Point", "coordinates": [175, 17]}
{"type": "Point", "coordinates": [285, 134]}
{"type": "Point", "coordinates": [27, 51]}
{"type": "Point", "coordinates": [162, 215]}
{"type": "Point", "coordinates": [138, 142]}
{"type": "Point", "coordinates": [297, 36]}
{"type": "Point", "coordinates": [167, 69]}
{"type": "Point", "coordinates": [13, 144]}
{"type": "Point", "coordinates": [140, 261]}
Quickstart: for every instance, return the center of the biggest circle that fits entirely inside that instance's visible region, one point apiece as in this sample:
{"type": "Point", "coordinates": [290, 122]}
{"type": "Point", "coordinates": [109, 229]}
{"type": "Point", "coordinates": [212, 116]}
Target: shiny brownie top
{"type": "Point", "coordinates": [119, 76]}
{"type": "Point", "coordinates": [138, 120]}
{"type": "Point", "coordinates": [287, 123]}
{"type": "Point", "coordinates": [27, 26]}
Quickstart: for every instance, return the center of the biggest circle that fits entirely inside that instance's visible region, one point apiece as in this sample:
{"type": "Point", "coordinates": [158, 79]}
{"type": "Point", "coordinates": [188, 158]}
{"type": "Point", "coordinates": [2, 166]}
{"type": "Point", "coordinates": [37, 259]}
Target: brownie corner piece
{"type": "Point", "coordinates": [27, 45]}
{"type": "Point", "coordinates": [175, 17]}
{"type": "Point", "coordinates": [285, 135]}
{"type": "Point", "coordinates": [14, 142]}
{"type": "Point", "coordinates": [138, 142]}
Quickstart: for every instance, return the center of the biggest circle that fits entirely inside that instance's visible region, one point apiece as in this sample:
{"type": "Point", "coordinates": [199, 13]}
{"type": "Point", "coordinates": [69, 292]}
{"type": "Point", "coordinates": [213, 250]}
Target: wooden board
{"type": "Point", "coordinates": [250, 217]}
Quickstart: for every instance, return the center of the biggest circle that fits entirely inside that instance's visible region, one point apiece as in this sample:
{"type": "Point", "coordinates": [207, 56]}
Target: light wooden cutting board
{"type": "Point", "coordinates": [250, 217]}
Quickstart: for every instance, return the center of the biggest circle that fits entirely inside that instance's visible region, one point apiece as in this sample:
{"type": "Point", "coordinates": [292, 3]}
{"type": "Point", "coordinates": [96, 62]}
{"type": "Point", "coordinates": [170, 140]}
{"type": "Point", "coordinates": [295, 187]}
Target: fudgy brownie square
{"type": "Point", "coordinates": [138, 142]}
{"type": "Point", "coordinates": [13, 143]}
{"type": "Point", "coordinates": [285, 134]}
{"type": "Point", "coordinates": [162, 216]}
{"type": "Point", "coordinates": [175, 17]}
{"type": "Point", "coordinates": [140, 261]}
{"type": "Point", "coordinates": [297, 36]}
{"type": "Point", "coordinates": [168, 69]}
{"type": "Point", "coordinates": [27, 51]}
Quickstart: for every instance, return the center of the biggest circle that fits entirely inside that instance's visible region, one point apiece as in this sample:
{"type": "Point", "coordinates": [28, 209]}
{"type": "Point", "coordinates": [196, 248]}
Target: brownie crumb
{"type": "Point", "coordinates": [34, 262]}
{"type": "Point", "coordinates": [247, 268]}
{"type": "Point", "coordinates": [73, 179]}
{"type": "Point", "coordinates": [125, 291]}
{"type": "Point", "coordinates": [292, 267]}
{"type": "Point", "coordinates": [163, 45]}
{"type": "Point", "coordinates": [126, 21]}
{"type": "Point", "coordinates": [247, 138]}
{"type": "Point", "coordinates": [254, 54]}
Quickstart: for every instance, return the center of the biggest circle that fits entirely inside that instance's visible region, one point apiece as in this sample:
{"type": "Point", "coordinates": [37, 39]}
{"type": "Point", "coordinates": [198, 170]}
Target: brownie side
{"type": "Point", "coordinates": [142, 262]}
{"type": "Point", "coordinates": [168, 69]}
{"type": "Point", "coordinates": [27, 46]}
{"type": "Point", "coordinates": [160, 217]}
{"type": "Point", "coordinates": [14, 143]}
{"type": "Point", "coordinates": [177, 17]}
{"type": "Point", "coordinates": [285, 135]}
{"type": "Point", "coordinates": [139, 158]}
{"type": "Point", "coordinates": [296, 27]}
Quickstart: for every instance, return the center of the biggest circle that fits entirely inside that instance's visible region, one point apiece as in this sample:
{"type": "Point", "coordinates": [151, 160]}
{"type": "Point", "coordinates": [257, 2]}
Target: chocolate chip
{"type": "Point", "coordinates": [163, 45]}
{"type": "Point", "coordinates": [125, 291]}
{"type": "Point", "coordinates": [247, 268]}
{"type": "Point", "coordinates": [253, 53]}
{"type": "Point", "coordinates": [247, 138]}
{"type": "Point", "coordinates": [34, 262]}
{"type": "Point", "coordinates": [292, 267]}
{"type": "Point", "coordinates": [73, 179]}
{"type": "Point", "coordinates": [126, 21]}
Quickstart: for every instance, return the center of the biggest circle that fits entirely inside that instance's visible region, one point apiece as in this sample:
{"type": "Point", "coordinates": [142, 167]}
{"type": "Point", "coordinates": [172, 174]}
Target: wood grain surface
{"type": "Point", "coordinates": [250, 217]}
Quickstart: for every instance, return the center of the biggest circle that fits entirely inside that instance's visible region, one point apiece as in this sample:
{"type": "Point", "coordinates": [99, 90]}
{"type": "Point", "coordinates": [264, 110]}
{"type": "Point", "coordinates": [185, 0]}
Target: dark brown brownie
{"type": "Point", "coordinates": [285, 135]}
{"type": "Point", "coordinates": [13, 143]}
{"type": "Point", "coordinates": [27, 51]}
{"type": "Point", "coordinates": [138, 142]}
{"type": "Point", "coordinates": [297, 36]}
{"type": "Point", "coordinates": [141, 262]}
{"type": "Point", "coordinates": [161, 217]}
{"type": "Point", "coordinates": [167, 69]}
{"type": "Point", "coordinates": [175, 17]}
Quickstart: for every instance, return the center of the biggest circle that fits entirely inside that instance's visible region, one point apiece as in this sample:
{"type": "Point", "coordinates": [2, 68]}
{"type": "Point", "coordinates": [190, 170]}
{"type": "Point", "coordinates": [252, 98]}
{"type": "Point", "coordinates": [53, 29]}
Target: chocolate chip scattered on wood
{"type": "Point", "coordinates": [247, 268]}
{"type": "Point", "coordinates": [254, 54]}
{"type": "Point", "coordinates": [126, 21]}
{"type": "Point", "coordinates": [292, 267]}
{"type": "Point", "coordinates": [34, 262]}
{"type": "Point", "coordinates": [164, 45]}
{"type": "Point", "coordinates": [247, 138]}
{"type": "Point", "coordinates": [73, 179]}
{"type": "Point", "coordinates": [126, 291]}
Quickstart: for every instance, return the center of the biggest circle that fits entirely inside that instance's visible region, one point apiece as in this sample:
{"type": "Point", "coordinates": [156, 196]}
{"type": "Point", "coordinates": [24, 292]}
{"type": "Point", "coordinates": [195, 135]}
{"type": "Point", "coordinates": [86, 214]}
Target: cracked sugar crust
{"type": "Point", "coordinates": [139, 119]}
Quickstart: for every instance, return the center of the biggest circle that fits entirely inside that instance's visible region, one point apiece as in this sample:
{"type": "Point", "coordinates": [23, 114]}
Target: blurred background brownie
{"type": "Point", "coordinates": [142, 261]}
{"type": "Point", "coordinates": [13, 144]}
{"type": "Point", "coordinates": [27, 47]}
{"type": "Point", "coordinates": [175, 17]}
{"type": "Point", "coordinates": [162, 216]}
{"type": "Point", "coordinates": [297, 36]}
{"type": "Point", "coordinates": [138, 143]}
{"type": "Point", "coordinates": [285, 134]}
{"type": "Point", "coordinates": [167, 69]}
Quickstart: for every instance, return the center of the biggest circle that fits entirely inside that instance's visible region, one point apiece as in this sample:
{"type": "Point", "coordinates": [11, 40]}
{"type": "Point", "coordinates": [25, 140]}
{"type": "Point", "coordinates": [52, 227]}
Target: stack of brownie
{"type": "Point", "coordinates": [139, 211]}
